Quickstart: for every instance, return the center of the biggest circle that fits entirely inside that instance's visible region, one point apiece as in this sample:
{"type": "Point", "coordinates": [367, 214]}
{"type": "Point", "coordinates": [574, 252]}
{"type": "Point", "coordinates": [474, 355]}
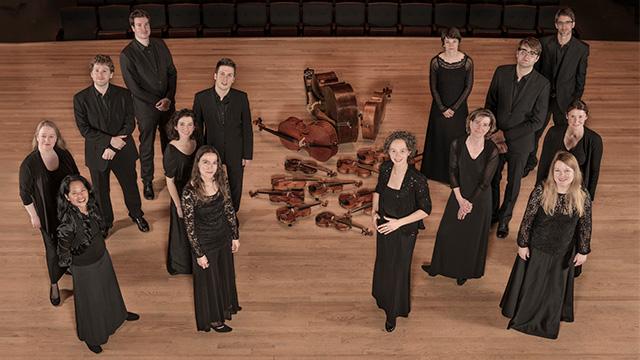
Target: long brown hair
{"type": "Point", "coordinates": [59, 142]}
{"type": "Point", "coordinates": [576, 196]}
{"type": "Point", "coordinates": [220, 177]}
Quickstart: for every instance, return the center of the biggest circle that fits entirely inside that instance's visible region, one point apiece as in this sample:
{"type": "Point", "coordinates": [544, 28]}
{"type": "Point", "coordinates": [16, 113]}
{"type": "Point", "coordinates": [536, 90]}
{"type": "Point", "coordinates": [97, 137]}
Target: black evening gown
{"type": "Point", "coordinates": [392, 269]}
{"type": "Point", "coordinates": [539, 293]}
{"type": "Point", "coordinates": [460, 250]}
{"type": "Point", "coordinates": [178, 165]}
{"type": "Point", "coordinates": [211, 226]}
{"type": "Point", "coordinates": [450, 85]}
{"type": "Point", "coordinates": [39, 186]}
{"type": "Point", "coordinates": [99, 307]}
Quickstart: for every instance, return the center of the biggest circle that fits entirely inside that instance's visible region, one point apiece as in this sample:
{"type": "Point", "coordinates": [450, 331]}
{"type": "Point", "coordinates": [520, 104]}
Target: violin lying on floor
{"type": "Point", "coordinates": [349, 165]}
{"type": "Point", "coordinates": [286, 182]}
{"type": "Point", "coordinates": [342, 222]}
{"type": "Point", "coordinates": [290, 197]}
{"type": "Point", "coordinates": [307, 167]}
{"type": "Point", "coordinates": [350, 200]}
{"type": "Point", "coordinates": [319, 188]}
{"type": "Point", "coordinates": [289, 214]}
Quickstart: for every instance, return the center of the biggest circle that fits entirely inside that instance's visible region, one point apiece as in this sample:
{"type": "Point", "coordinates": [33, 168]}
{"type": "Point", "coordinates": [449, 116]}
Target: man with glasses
{"type": "Point", "coordinates": [564, 63]}
{"type": "Point", "coordinates": [518, 96]}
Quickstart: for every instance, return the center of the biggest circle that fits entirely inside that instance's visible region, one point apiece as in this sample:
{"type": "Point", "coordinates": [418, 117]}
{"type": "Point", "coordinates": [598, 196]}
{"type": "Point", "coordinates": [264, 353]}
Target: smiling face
{"type": "Point", "coordinates": [185, 127]}
{"type": "Point", "coordinates": [576, 118]}
{"type": "Point", "coordinates": [141, 28]}
{"type": "Point", "coordinates": [480, 126]}
{"type": "Point", "coordinates": [46, 138]}
{"type": "Point", "coordinates": [208, 165]}
{"type": "Point", "coordinates": [224, 78]}
{"type": "Point", "coordinates": [398, 152]}
{"type": "Point", "coordinates": [563, 175]}
{"type": "Point", "coordinates": [78, 194]}
{"type": "Point", "coordinates": [101, 74]}
{"type": "Point", "coordinates": [564, 25]}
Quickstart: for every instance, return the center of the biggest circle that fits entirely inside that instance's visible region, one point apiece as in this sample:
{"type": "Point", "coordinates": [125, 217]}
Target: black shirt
{"type": "Point", "coordinates": [518, 85]}
{"type": "Point", "coordinates": [222, 106]}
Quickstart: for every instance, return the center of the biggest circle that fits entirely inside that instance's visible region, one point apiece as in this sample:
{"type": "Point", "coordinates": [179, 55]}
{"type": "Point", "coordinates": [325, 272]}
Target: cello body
{"type": "Point", "coordinates": [373, 113]}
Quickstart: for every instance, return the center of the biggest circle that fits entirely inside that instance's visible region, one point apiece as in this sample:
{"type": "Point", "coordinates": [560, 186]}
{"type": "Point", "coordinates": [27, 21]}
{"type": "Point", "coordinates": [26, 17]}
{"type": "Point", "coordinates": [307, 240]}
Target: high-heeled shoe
{"type": "Point", "coordinates": [132, 316]}
{"type": "Point", "coordinates": [55, 301]}
{"type": "Point", "coordinates": [461, 281]}
{"type": "Point", "coordinates": [224, 328]}
{"type": "Point", "coordinates": [389, 326]}
{"type": "Point", "coordinates": [95, 348]}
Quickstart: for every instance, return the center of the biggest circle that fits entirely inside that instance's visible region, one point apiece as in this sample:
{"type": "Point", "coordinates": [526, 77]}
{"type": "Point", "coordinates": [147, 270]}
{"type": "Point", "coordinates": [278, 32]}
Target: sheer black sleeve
{"type": "Point", "coordinates": [26, 183]}
{"type": "Point", "coordinates": [468, 84]}
{"type": "Point", "coordinates": [189, 201]}
{"type": "Point", "coordinates": [66, 234]}
{"type": "Point", "coordinates": [489, 169]}
{"type": "Point", "coordinates": [584, 229]}
{"type": "Point", "coordinates": [421, 191]}
{"type": "Point", "coordinates": [230, 213]}
{"type": "Point", "coordinates": [454, 160]}
{"type": "Point", "coordinates": [529, 215]}
{"type": "Point", "coordinates": [383, 176]}
{"type": "Point", "coordinates": [595, 157]}
{"type": "Point", "coordinates": [433, 84]}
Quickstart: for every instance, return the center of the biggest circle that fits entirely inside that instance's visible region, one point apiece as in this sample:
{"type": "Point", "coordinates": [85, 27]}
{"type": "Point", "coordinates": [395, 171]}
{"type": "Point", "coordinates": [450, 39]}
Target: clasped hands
{"type": "Point", "coordinates": [163, 104]}
{"type": "Point", "coordinates": [117, 142]}
{"type": "Point", "coordinates": [465, 208]}
{"type": "Point", "coordinates": [390, 226]}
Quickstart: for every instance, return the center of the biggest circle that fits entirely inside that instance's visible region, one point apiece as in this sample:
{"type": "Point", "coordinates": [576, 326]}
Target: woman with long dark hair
{"type": "Point", "coordinates": [212, 230]}
{"type": "Point", "coordinates": [41, 173]}
{"type": "Point", "coordinates": [99, 306]}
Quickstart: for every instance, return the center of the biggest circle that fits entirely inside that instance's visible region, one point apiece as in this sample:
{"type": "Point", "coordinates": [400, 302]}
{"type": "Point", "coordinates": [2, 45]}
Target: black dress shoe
{"type": "Point", "coordinates": [55, 301]}
{"type": "Point", "coordinates": [224, 328]}
{"type": "Point", "coordinates": [143, 225]}
{"type": "Point", "coordinates": [95, 348]}
{"type": "Point", "coordinates": [427, 268]}
{"type": "Point", "coordinates": [389, 326]}
{"type": "Point", "coordinates": [461, 281]}
{"type": "Point", "coordinates": [503, 230]}
{"type": "Point", "coordinates": [132, 316]}
{"type": "Point", "coordinates": [147, 191]}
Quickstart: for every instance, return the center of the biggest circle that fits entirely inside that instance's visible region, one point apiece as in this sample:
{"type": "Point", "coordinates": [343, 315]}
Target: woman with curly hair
{"type": "Point", "coordinates": [400, 202]}
{"type": "Point", "coordinates": [212, 230]}
{"type": "Point", "coordinates": [99, 306]}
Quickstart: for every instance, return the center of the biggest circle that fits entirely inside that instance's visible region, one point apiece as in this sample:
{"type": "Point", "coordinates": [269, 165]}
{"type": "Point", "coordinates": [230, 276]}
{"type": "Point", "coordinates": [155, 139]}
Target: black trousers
{"type": "Point", "coordinates": [515, 169]}
{"type": "Point", "coordinates": [125, 171]}
{"type": "Point", "coordinates": [235, 172]}
{"type": "Point", "coordinates": [559, 118]}
{"type": "Point", "coordinates": [149, 120]}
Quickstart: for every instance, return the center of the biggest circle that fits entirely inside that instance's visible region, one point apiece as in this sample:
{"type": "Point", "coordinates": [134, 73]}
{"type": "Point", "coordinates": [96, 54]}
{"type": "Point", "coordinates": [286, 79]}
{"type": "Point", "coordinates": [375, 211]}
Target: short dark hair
{"type": "Point", "coordinates": [225, 62]}
{"type": "Point", "coordinates": [578, 105]}
{"type": "Point", "coordinates": [172, 133]}
{"type": "Point", "coordinates": [478, 113]}
{"type": "Point", "coordinates": [566, 11]}
{"type": "Point", "coordinates": [532, 43]}
{"type": "Point", "coordinates": [451, 33]}
{"type": "Point", "coordinates": [138, 13]}
{"type": "Point", "coordinates": [408, 138]}
{"type": "Point", "coordinates": [102, 60]}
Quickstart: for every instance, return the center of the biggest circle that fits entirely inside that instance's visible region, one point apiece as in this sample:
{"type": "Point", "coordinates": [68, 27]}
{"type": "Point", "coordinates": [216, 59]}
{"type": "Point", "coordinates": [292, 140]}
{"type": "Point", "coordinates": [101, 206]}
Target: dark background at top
{"type": "Point", "coordinates": [39, 20]}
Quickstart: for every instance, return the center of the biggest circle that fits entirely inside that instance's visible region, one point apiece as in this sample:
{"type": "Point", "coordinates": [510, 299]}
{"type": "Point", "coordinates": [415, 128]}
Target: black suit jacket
{"type": "Point", "coordinates": [518, 118]}
{"type": "Point", "coordinates": [98, 127]}
{"type": "Point", "coordinates": [148, 82]}
{"type": "Point", "coordinates": [234, 138]}
{"type": "Point", "coordinates": [570, 78]}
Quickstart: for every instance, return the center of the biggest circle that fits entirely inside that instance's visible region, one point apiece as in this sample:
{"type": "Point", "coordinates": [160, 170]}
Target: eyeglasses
{"type": "Point", "coordinates": [524, 52]}
{"type": "Point", "coordinates": [568, 22]}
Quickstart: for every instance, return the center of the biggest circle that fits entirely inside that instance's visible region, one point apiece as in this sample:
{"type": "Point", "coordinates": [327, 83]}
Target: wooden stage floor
{"type": "Point", "coordinates": [305, 291]}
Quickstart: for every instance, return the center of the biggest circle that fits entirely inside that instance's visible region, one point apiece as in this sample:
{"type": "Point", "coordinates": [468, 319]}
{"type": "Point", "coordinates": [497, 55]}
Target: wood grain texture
{"type": "Point", "coordinates": [305, 291]}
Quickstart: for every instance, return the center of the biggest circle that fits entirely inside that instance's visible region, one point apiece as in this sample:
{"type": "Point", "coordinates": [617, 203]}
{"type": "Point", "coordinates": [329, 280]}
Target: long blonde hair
{"type": "Point", "coordinates": [575, 196]}
{"type": "Point", "coordinates": [59, 142]}
{"type": "Point", "coordinates": [220, 177]}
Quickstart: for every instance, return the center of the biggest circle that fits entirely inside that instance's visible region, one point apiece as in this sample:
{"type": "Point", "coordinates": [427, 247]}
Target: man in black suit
{"type": "Point", "coordinates": [149, 73]}
{"type": "Point", "coordinates": [564, 63]}
{"type": "Point", "coordinates": [519, 97]}
{"type": "Point", "coordinates": [104, 115]}
{"type": "Point", "coordinates": [224, 116]}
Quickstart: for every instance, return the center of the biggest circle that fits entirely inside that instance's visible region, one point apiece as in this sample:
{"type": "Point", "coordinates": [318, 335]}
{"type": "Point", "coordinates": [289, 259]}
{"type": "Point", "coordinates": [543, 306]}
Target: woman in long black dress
{"type": "Point", "coordinates": [213, 234]}
{"type": "Point", "coordinates": [582, 142]}
{"type": "Point", "coordinates": [178, 163]}
{"type": "Point", "coordinates": [450, 81]}
{"type": "Point", "coordinates": [400, 202]}
{"type": "Point", "coordinates": [539, 293]}
{"type": "Point", "coordinates": [99, 306]}
{"type": "Point", "coordinates": [41, 173]}
{"type": "Point", "coordinates": [460, 250]}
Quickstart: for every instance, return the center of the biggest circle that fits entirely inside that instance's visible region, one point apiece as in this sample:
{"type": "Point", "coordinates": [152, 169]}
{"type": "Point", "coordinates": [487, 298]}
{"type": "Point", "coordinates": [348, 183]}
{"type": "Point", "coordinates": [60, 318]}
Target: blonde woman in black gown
{"type": "Point", "coordinates": [539, 293]}
{"type": "Point", "coordinates": [213, 234]}
{"type": "Point", "coordinates": [41, 173]}
{"type": "Point", "coordinates": [460, 250]}
{"type": "Point", "coordinates": [400, 202]}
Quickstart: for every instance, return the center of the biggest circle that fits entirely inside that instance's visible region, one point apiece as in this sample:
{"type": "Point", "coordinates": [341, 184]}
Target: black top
{"type": "Point", "coordinates": [80, 238]}
{"type": "Point", "coordinates": [149, 72]}
{"type": "Point", "coordinates": [413, 195]}
{"type": "Point", "coordinates": [488, 156]}
{"type": "Point", "coordinates": [178, 166]}
{"type": "Point", "coordinates": [588, 153]}
{"type": "Point", "coordinates": [99, 118]}
{"type": "Point", "coordinates": [518, 85]}
{"type": "Point", "coordinates": [552, 233]}
{"type": "Point", "coordinates": [211, 223]}
{"type": "Point", "coordinates": [39, 186]}
{"type": "Point", "coordinates": [436, 84]}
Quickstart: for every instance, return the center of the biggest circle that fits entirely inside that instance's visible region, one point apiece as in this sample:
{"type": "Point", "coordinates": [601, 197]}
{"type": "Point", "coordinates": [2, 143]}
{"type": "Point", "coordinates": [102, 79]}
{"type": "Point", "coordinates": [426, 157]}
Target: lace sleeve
{"type": "Point", "coordinates": [454, 157]}
{"type": "Point", "coordinates": [433, 84]}
{"type": "Point", "coordinates": [468, 84]}
{"type": "Point", "coordinates": [188, 210]}
{"type": "Point", "coordinates": [489, 169]}
{"type": "Point", "coordinates": [529, 215]}
{"type": "Point", "coordinates": [229, 211]}
{"type": "Point", "coordinates": [584, 228]}
{"type": "Point", "coordinates": [421, 189]}
{"type": "Point", "coordinates": [66, 233]}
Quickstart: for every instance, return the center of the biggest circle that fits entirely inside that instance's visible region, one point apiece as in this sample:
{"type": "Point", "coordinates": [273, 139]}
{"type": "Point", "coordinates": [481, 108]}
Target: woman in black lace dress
{"type": "Point", "coordinates": [400, 202]}
{"type": "Point", "coordinates": [99, 306]}
{"type": "Point", "coordinates": [539, 293]}
{"type": "Point", "coordinates": [450, 81]}
{"type": "Point", "coordinates": [178, 163]}
{"type": "Point", "coordinates": [460, 250]}
{"type": "Point", "coordinates": [213, 234]}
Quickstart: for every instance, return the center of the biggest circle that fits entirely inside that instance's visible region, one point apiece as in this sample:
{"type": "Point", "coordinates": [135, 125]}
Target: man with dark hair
{"type": "Point", "coordinates": [104, 115]}
{"type": "Point", "coordinates": [223, 114]}
{"type": "Point", "coordinates": [149, 73]}
{"type": "Point", "coordinates": [564, 63]}
{"type": "Point", "coordinates": [518, 96]}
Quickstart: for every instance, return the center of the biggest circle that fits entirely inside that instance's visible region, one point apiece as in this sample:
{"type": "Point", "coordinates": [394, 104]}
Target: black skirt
{"type": "Point", "coordinates": [214, 288]}
{"type": "Point", "coordinates": [178, 249]}
{"type": "Point", "coordinates": [99, 306]}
